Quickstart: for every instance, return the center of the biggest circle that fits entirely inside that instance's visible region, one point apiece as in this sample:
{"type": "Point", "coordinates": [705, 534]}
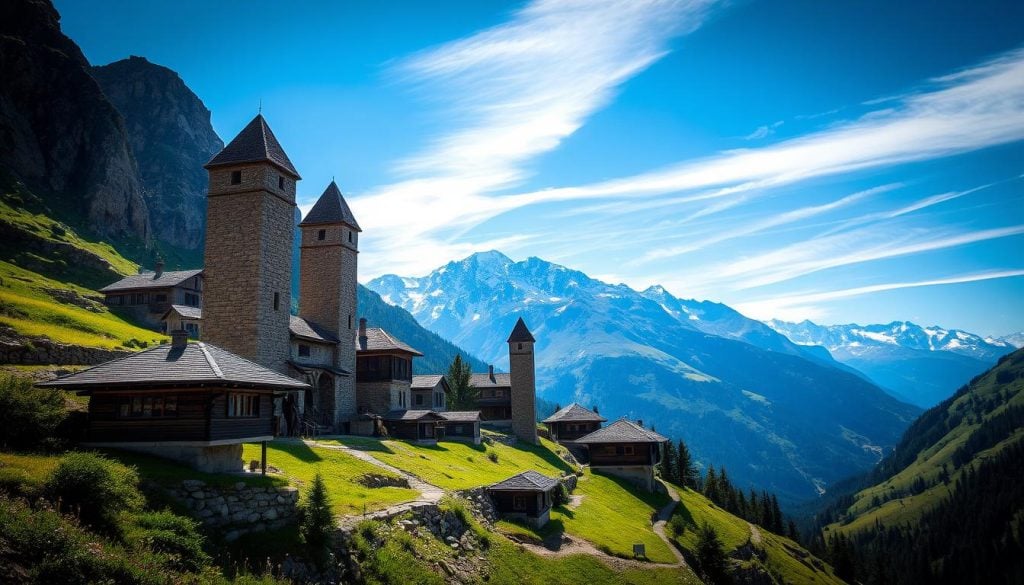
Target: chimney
{"type": "Point", "coordinates": [159, 267]}
{"type": "Point", "coordinates": [179, 338]}
{"type": "Point", "coordinates": [490, 371]}
{"type": "Point", "coordinates": [362, 332]}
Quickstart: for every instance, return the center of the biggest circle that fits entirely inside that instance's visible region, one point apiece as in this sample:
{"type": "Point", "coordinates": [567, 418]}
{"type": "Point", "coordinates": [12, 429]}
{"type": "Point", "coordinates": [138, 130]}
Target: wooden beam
{"type": "Point", "coordinates": [263, 457]}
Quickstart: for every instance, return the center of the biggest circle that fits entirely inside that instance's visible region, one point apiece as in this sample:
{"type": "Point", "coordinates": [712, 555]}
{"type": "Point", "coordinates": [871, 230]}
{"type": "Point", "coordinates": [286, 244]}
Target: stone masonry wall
{"type": "Point", "coordinates": [249, 232]}
{"type": "Point", "coordinates": [524, 391]}
{"type": "Point", "coordinates": [376, 396]}
{"type": "Point", "coordinates": [22, 351]}
{"type": "Point", "coordinates": [240, 508]}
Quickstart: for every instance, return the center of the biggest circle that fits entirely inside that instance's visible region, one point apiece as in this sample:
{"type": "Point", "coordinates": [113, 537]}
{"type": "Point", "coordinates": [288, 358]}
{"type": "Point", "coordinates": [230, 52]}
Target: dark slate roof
{"type": "Point", "coordinates": [485, 381]}
{"type": "Point", "coordinates": [255, 143]}
{"type": "Point", "coordinates": [622, 431]}
{"type": "Point", "coordinates": [306, 329]}
{"type": "Point", "coordinates": [574, 413]}
{"type": "Point", "coordinates": [411, 415]}
{"type": "Point", "coordinates": [426, 382]}
{"type": "Point", "coordinates": [148, 280]}
{"type": "Point", "coordinates": [379, 340]}
{"type": "Point", "coordinates": [528, 480]}
{"type": "Point", "coordinates": [461, 415]}
{"type": "Point", "coordinates": [302, 368]}
{"type": "Point", "coordinates": [185, 311]}
{"type": "Point", "coordinates": [164, 365]}
{"type": "Point", "coordinates": [331, 208]}
{"type": "Point", "coordinates": [520, 332]}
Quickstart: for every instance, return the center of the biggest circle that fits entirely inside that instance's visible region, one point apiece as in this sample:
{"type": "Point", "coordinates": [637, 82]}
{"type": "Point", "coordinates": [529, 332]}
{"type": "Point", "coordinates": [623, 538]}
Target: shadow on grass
{"type": "Point", "coordinates": [165, 471]}
{"type": "Point", "coordinates": [363, 444]}
{"type": "Point", "coordinates": [655, 500]}
{"type": "Point", "coordinates": [296, 449]}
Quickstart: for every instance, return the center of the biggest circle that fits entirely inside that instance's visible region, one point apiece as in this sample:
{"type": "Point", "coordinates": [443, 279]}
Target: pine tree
{"type": "Point", "coordinates": [792, 532]}
{"type": "Point", "coordinates": [668, 466]}
{"type": "Point", "coordinates": [462, 395]}
{"type": "Point", "coordinates": [317, 520]}
{"type": "Point", "coordinates": [686, 471]}
{"type": "Point", "coordinates": [711, 559]}
{"type": "Point", "coordinates": [777, 520]}
{"type": "Point", "coordinates": [711, 484]}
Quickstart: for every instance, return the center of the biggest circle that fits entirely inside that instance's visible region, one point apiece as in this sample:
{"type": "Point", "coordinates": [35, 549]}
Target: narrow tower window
{"type": "Point", "coordinates": [236, 177]}
{"type": "Point", "coordinates": [321, 234]}
{"type": "Point", "coordinates": [350, 321]}
{"type": "Point", "coordinates": [350, 237]}
{"type": "Point", "coordinates": [280, 182]}
{"type": "Point", "coordinates": [276, 301]}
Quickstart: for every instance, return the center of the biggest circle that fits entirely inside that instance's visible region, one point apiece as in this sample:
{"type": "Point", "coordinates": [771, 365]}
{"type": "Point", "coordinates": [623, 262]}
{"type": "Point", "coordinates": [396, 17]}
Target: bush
{"type": "Point", "coordinates": [172, 535]}
{"type": "Point", "coordinates": [317, 520]}
{"type": "Point", "coordinates": [27, 414]}
{"type": "Point", "coordinates": [95, 488]}
{"type": "Point", "coordinates": [561, 496]}
{"type": "Point", "coordinates": [18, 482]}
{"type": "Point", "coordinates": [493, 456]}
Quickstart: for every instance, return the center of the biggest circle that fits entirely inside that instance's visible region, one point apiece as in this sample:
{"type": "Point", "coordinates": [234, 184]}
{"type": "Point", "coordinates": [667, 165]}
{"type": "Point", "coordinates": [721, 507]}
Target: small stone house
{"type": "Point", "coordinates": [184, 318]}
{"type": "Point", "coordinates": [147, 297]}
{"type": "Point", "coordinates": [572, 422]}
{"type": "Point", "coordinates": [430, 391]}
{"type": "Point", "coordinates": [191, 402]}
{"type": "Point", "coordinates": [494, 396]}
{"type": "Point", "coordinates": [527, 496]}
{"type": "Point", "coordinates": [383, 371]}
{"type": "Point", "coordinates": [625, 449]}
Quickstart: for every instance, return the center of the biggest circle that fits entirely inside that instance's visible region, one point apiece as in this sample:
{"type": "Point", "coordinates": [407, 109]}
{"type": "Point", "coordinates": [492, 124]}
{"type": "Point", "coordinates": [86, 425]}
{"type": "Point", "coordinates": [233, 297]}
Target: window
{"type": "Point", "coordinates": [350, 237]}
{"type": "Point", "coordinates": [419, 400]}
{"type": "Point", "coordinates": [193, 330]}
{"type": "Point", "coordinates": [518, 502]}
{"type": "Point", "coordinates": [458, 429]}
{"type": "Point", "coordinates": [243, 405]}
{"type": "Point", "coordinates": [192, 299]}
{"type": "Point", "coordinates": [320, 235]}
{"type": "Point", "coordinates": [350, 321]}
{"type": "Point", "coordinates": [277, 302]}
{"type": "Point", "coordinates": [148, 406]}
{"type": "Point", "coordinates": [280, 182]}
{"type": "Point", "coordinates": [303, 350]}
{"type": "Point", "coordinates": [520, 346]}
{"type": "Point", "coordinates": [628, 450]}
{"type": "Point", "coordinates": [236, 177]}
{"type": "Point", "coordinates": [161, 298]}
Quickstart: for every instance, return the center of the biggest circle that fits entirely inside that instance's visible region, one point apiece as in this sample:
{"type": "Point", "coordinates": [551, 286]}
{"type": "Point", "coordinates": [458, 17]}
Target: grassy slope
{"type": "Point", "coordinates": [784, 559]}
{"type": "Point", "coordinates": [300, 463]}
{"type": "Point", "coordinates": [930, 461]}
{"type": "Point", "coordinates": [457, 466]}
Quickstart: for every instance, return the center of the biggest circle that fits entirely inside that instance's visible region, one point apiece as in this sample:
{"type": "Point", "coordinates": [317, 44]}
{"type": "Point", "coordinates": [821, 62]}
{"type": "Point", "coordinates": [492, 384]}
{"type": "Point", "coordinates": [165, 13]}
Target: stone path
{"type": "Point", "coordinates": [755, 534]}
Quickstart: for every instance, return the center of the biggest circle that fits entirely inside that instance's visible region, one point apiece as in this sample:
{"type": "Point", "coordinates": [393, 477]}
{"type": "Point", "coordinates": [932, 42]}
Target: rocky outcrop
{"type": "Point", "coordinates": [58, 133]}
{"type": "Point", "coordinates": [171, 137]}
{"type": "Point", "coordinates": [41, 351]}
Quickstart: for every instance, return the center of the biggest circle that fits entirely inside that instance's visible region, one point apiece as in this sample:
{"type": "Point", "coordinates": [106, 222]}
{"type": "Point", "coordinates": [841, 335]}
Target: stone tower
{"type": "Point", "coordinates": [250, 222]}
{"type": "Point", "coordinates": [327, 284]}
{"type": "Point", "coordinates": [524, 384]}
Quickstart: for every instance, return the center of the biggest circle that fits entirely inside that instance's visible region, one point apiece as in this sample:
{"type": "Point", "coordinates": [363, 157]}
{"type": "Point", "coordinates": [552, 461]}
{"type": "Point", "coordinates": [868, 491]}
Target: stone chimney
{"type": "Point", "coordinates": [490, 371]}
{"type": "Point", "coordinates": [159, 267]}
{"type": "Point", "coordinates": [362, 332]}
{"type": "Point", "coordinates": [179, 338]}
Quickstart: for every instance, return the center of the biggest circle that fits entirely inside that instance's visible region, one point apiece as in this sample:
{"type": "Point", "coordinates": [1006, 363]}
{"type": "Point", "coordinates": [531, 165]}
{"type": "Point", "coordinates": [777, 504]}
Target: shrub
{"type": "Point", "coordinates": [317, 520]}
{"type": "Point", "coordinates": [172, 535]}
{"type": "Point", "coordinates": [27, 414]}
{"type": "Point", "coordinates": [18, 482]}
{"type": "Point", "coordinates": [95, 488]}
{"type": "Point", "coordinates": [493, 456]}
{"type": "Point", "coordinates": [561, 495]}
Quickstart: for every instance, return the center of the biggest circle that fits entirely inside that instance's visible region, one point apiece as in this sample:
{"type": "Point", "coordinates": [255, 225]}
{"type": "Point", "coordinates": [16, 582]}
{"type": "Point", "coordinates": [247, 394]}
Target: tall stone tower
{"type": "Point", "coordinates": [250, 223]}
{"type": "Point", "coordinates": [524, 384]}
{"type": "Point", "coordinates": [327, 284]}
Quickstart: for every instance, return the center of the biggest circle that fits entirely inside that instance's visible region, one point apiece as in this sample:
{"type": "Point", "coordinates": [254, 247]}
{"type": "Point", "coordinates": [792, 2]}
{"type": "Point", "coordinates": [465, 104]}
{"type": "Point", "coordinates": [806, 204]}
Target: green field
{"type": "Point", "coordinates": [453, 465]}
{"type": "Point", "coordinates": [300, 463]}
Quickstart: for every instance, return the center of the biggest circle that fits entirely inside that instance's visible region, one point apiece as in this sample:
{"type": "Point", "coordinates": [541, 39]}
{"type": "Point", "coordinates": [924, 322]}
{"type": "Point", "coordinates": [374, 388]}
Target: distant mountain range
{"type": "Point", "coordinates": [777, 415]}
{"type": "Point", "coordinates": [921, 365]}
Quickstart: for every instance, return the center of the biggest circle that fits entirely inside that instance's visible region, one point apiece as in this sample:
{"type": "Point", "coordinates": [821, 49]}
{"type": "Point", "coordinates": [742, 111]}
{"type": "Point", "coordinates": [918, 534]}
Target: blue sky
{"type": "Point", "coordinates": [838, 161]}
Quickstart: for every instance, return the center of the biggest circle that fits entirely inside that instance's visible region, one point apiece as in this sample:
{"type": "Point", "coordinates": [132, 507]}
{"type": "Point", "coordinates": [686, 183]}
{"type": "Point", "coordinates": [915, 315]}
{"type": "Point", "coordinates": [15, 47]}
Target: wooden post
{"type": "Point", "coordinates": [263, 458]}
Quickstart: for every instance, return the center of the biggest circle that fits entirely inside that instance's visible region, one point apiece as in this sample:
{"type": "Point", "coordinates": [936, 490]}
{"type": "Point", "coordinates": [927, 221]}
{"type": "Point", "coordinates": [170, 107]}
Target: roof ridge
{"type": "Point", "coordinates": [209, 359]}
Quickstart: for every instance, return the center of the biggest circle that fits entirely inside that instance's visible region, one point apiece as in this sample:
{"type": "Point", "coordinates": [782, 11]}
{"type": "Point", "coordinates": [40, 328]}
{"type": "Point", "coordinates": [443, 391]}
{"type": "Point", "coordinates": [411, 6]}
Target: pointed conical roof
{"type": "Point", "coordinates": [255, 143]}
{"type": "Point", "coordinates": [520, 332]}
{"type": "Point", "coordinates": [331, 208]}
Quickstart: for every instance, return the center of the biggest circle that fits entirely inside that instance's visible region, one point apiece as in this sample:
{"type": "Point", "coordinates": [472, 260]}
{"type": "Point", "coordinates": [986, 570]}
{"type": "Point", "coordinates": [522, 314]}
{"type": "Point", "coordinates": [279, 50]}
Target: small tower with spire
{"type": "Point", "coordinates": [523, 382]}
{"type": "Point", "coordinates": [327, 284]}
{"type": "Point", "coordinates": [250, 223]}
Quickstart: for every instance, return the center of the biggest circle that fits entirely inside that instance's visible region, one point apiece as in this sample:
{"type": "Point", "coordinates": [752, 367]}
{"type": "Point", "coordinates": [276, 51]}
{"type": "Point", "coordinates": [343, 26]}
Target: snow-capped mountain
{"type": "Point", "coordinates": [922, 365]}
{"type": "Point", "coordinates": [775, 414]}
{"type": "Point", "coordinates": [1014, 339]}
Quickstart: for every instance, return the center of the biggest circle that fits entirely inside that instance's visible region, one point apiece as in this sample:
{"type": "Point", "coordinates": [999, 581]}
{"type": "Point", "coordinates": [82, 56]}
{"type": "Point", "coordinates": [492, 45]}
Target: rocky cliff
{"type": "Point", "coordinates": [59, 135]}
{"type": "Point", "coordinates": [171, 137]}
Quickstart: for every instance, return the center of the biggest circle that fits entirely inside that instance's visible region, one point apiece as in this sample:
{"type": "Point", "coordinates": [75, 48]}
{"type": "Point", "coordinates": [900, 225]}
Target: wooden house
{"type": "Point", "coordinates": [185, 318]}
{"type": "Point", "coordinates": [527, 496]}
{"type": "Point", "coordinates": [424, 426]}
{"type": "Point", "coordinates": [462, 425]}
{"type": "Point", "coordinates": [625, 449]}
{"type": "Point", "coordinates": [572, 422]}
{"type": "Point", "coordinates": [494, 395]}
{"type": "Point", "coordinates": [149, 295]}
{"type": "Point", "coordinates": [430, 391]}
{"type": "Point", "coordinates": [193, 402]}
{"type": "Point", "coordinates": [383, 371]}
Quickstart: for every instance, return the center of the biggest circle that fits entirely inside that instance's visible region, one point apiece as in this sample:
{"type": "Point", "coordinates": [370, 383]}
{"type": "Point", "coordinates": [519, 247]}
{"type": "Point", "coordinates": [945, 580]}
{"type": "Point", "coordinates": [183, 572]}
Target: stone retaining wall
{"type": "Point", "coordinates": [240, 508]}
{"type": "Point", "coordinates": [41, 351]}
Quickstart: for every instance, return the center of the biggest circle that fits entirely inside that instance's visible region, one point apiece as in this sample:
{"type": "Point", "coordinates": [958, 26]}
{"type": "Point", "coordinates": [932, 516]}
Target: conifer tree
{"type": "Point", "coordinates": [462, 395]}
{"type": "Point", "coordinates": [686, 469]}
{"type": "Point", "coordinates": [668, 464]}
{"type": "Point", "coordinates": [711, 559]}
{"type": "Point", "coordinates": [711, 484]}
{"type": "Point", "coordinates": [317, 520]}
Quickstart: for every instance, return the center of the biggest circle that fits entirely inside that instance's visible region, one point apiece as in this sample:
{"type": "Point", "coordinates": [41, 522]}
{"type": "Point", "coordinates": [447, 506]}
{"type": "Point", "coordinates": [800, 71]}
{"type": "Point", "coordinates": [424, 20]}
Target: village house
{"type": "Point", "coordinates": [494, 396]}
{"type": "Point", "coordinates": [185, 318]}
{"type": "Point", "coordinates": [430, 392]}
{"type": "Point", "coordinates": [146, 297]}
{"type": "Point", "coordinates": [191, 402]}
{"type": "Point", "coordinates": [527, 496]}
{"type": "Point", "coordinates": [625, 449]}
{"type": "Point", "coordinates": [572, 422]}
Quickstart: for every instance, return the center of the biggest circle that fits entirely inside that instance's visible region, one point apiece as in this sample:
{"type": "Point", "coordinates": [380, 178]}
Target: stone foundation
{"type": "Point", "coordinates": [640, 475]}
{"type": "Point", "coordinates": [240, 508]}
{"type": "Point", "coordinates": [210, 458]}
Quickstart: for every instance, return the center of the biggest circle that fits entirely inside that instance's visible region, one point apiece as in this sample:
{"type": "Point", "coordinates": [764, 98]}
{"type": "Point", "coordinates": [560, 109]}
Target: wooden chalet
{"type": "Point", "coordinates": [149, 295]}
{"type": "Point", "coordinates": [425, 426]}
{"type": "Point", "coordinates": [527, 496]}
{"type": "Point", "coordinates": [625, 449]}
{"type": "Point", "coordinates": [430, 391]}
{"type": "Point", "coordinates": [383, 371]}
{"type": "Point", "coordinates": [462, 425]}
{"type": "Point", "coordinates": [572, 422]}
{"type": "Point", "coordinates": [494, 395]}
{"type": "Point", "coordinates": [184, 317]}
{"type": "Point", "coordinates": [193, 402]}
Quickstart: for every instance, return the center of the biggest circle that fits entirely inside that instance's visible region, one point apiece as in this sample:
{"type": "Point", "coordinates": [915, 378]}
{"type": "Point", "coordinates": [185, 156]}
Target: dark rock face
{"type": "Point", "coordinates": [58, 133]}
{"type": "Point", "coordinates": [171, 137]}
